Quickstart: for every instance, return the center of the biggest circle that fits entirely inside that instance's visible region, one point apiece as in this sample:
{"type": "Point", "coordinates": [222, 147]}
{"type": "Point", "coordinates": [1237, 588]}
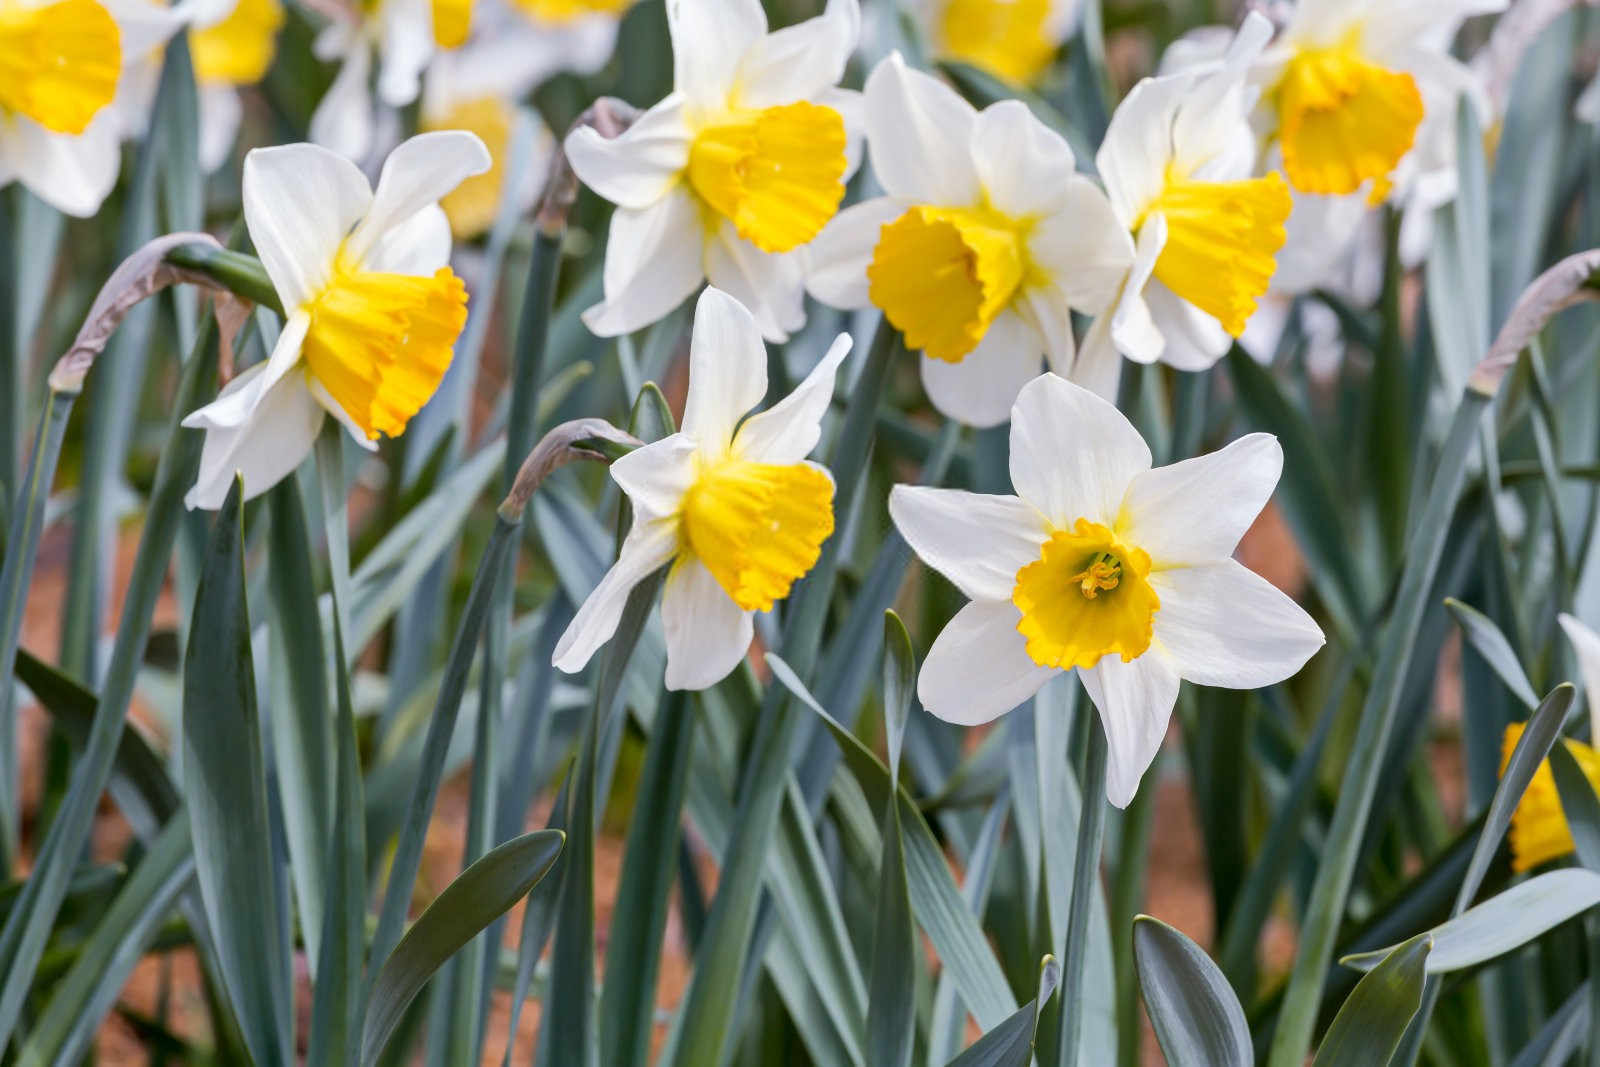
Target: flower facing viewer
{"type": "Point", "coordinates": [373, 309]}
{"type": "Point", "coordinates": [742, 164]}
{"type": "Point", "coordinates": [1105, 566]}
{"type": "Point", "coordinates": [986, 241]}
{"type": "Point", "coordinates": [734, 507]}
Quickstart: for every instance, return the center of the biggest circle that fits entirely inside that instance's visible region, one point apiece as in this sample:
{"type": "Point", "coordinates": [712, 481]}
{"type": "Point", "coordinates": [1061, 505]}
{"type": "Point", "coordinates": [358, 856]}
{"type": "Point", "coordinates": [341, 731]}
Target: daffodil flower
{"type": "Point", "coordinates": [405, 35]}
{"type": "Point", "coordinates": [477, 88]}
{"type": "Point", "coordinates": [62, 68]}
{"type": "Point", "coordinates": [1012, 39]}
{"type": "Point", "coordinates": [1176, 162]}
{"type": "Point", "coordinates": [986, 241]}
{"type": "Point", "coordinates": [232, 45]}
{"type": "Point", "coordinates": [741, 165]}
{"type": "Point", "coordinates": [1105, 566]}
{"type": "Point", "coordinates": [1348, 82]}
{"type": "Point", "coordinates": [373, 307]}
{"type": "Point", "coordinates": [734, 507]}
{"type": "Point", "coordinates": [1539, 830]}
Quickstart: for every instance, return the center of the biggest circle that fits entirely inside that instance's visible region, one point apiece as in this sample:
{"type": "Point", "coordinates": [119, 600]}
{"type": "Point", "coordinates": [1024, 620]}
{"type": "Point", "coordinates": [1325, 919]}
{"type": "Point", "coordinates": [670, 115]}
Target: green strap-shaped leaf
{"type": "Point", "coordinates": [1010, 1044]}
{"type": "Point", "coordinates": [1197, 1017]}
{"type": "Point", "coordinates": [1504, 922]}
{"type": "Point", "coordinates": [1487, 640]}
{"type": "Point", "coordinates": [224, 775]}
{"type": "Point", "coordinates": [481, 893]}
{"type": "Point", "coordinates": [1374, 1018]}
{"type": "Point", "coordinates": [1579, 804]}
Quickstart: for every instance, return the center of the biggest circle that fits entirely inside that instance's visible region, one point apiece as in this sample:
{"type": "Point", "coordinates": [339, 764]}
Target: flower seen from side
{"type": "Point", "coordinates": [986, 241]}
{"type": "Point", "coordinates": [1539, 831]}
{"type": "Point", "coordinates": [1106, 566]}
{"type": "Point", "coordinates": [1176, 162]}
{"type": "Point", "coordinates": [733, 172]}
{"type": "Point", "coordinates": [373, 308]}
{"type": "Point", "coordinates": [733, 506]}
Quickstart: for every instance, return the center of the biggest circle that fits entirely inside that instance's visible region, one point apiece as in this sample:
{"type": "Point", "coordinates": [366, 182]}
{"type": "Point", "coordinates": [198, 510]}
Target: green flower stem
{"type": "Point", "coordinates": [240, 273]}
{"type": "Point", "coordinates": [1085, 870]}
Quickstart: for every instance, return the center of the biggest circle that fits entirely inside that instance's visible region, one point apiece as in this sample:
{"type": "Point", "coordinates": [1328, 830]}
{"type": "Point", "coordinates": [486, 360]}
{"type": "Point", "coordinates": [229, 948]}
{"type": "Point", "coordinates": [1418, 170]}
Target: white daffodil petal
{"type": "Point", "coordinates": [1135, 703]}
{"type": "Point", "coordinates": [1098, 366]}
{"type": "Point", "coordinates": [406, 33]}
{"type": "Point", "coordinates": [837, 259]}
{"type": "Point", "coordinates": [420, 245]}
{"type": "Point", "coordinates": [1195, 511]}
{"type": "Point", "coordinates": [1072, 453]}
{"type": "Point", "coordinates": [276, 438]}
{"type": "Point", "coordinates": [788, 430]}
{"type": "Point", "coordinates": [299, 203]}
{"type": "Point", "coordinates": [1133, 325]}
{"type": "Point", "coordinates": [920, 133]}
{"type": "Point", "coordinates": [74, 175]}
{"type": "Point", "coordinates": [772, 285]}
{"type": "Point", "coordinates": [1191, 339]}
{"type": "Point", "coordinates": [237, 402]}
{"type": "Point", "coordinates": [220, 112]}
{"type": "Point", "coordinates": [1082, 247]}
{"type": "Point", "coordinates": [1209, 128]}
{"type": "Point", "coordinates": [727, 370]}
{"type": "Point", "coordinates": [648, 546]}
{"type": "Point", "coordinates": [656, 476]}
{"type": "Point", "coordinates": [710, 39]}
{"type": "Point", "coordinates": [1047, 311]}
{"type": "Point", "coordinates": [800, 61]}
{"type": "Point", "coordinates": [707, 633]}
{"type": "Point", "coordinates": [1026, 167]}
{"type": "Point", "coordinates": [978, 541]}
{"type": "Point", "coordinates": [978, 667]}
{"type": "Point", "coordinates": [416, 174]}
{"type": "Point", "coordinates": [1586, 646]}
{"type": "Point", "coordinates": [637, 167]}
{"type": "Point", "coordinates": [1132, 160]}
{"type": "Point", "coordinates": [343, 121]}
{"type": "Point", "coordinates": [653, 263]}
{"type": "Point", "coordinates": [980, 389]}
{"type": "Point", "coordinates": [1224, 625]}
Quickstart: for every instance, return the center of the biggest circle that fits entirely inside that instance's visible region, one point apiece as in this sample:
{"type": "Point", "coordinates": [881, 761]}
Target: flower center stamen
{"type": "Point", "coordinates": [1343, 120]}
{"type": "Point", "coordinates": [1086, 596]}
{"type": "Point", "coordinates": [380, 343]}
{"type": "Point", "coordinates": [942, 275]}
{"type": "Point", "coordinates": [1222, 242]}
{"type": "Point", "coordinates": [1004, 37]}
{"type": "Point", "coordinates": [778, 174]}
{"type": "Point", "coordinates": [758, 527]}
{"type": "Point", "coordinates": [59, 63]}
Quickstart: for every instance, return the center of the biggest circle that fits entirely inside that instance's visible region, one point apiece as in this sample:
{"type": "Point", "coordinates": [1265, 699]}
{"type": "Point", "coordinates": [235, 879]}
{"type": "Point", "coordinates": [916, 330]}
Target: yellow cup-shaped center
{"type": "Point", "coordinates": [1003, 37]}
{"type": "Point", "coordinates": [777, 173]}
{"type": "Point", "coordinates": [758, 527]}
{"type": "Point", "coordinates": [570, 10]}
{"type": "Point", "coordinates": [1086, 596]}
{"type": "Point", "coordinates": [380, 343]}
{"type": "Point", "coordinates": [239, 49]}
{"type": "Point", "coordinates": [1222, 243]}
{"type": "Point", "coordinates": [59, 63]}
{"type": "Point", "coordinates": [942, 275]}
{"type": "Point", "coordinates": [1539, 830]}
{"type": "Point", "coordinates": [472, 205]}
{"type": "Point", "coordinates": [1343, 120]}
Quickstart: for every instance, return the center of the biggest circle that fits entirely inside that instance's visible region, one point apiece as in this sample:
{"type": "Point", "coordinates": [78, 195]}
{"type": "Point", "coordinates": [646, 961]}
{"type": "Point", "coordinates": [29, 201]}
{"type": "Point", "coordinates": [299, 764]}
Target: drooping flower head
{"type": "Point", "coordinates": [1012, 39]}
{"type": "Point", "coordinates": [1102, 565]}
{"type": "Point", "coordinates": [986, 242]}
{"type": "Point", "coordinates": [1176, 163]}
{"type": "Point", "coordinates": [373, 309]}
{"type": "Point", "coordinates": [61, 71]}
{"type": "Point", "coordinates": [735, 507]}
{"type": "Point", "coordinates": [742, 164]}
{"type": "Point", "coordinates": [1539, 829]}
